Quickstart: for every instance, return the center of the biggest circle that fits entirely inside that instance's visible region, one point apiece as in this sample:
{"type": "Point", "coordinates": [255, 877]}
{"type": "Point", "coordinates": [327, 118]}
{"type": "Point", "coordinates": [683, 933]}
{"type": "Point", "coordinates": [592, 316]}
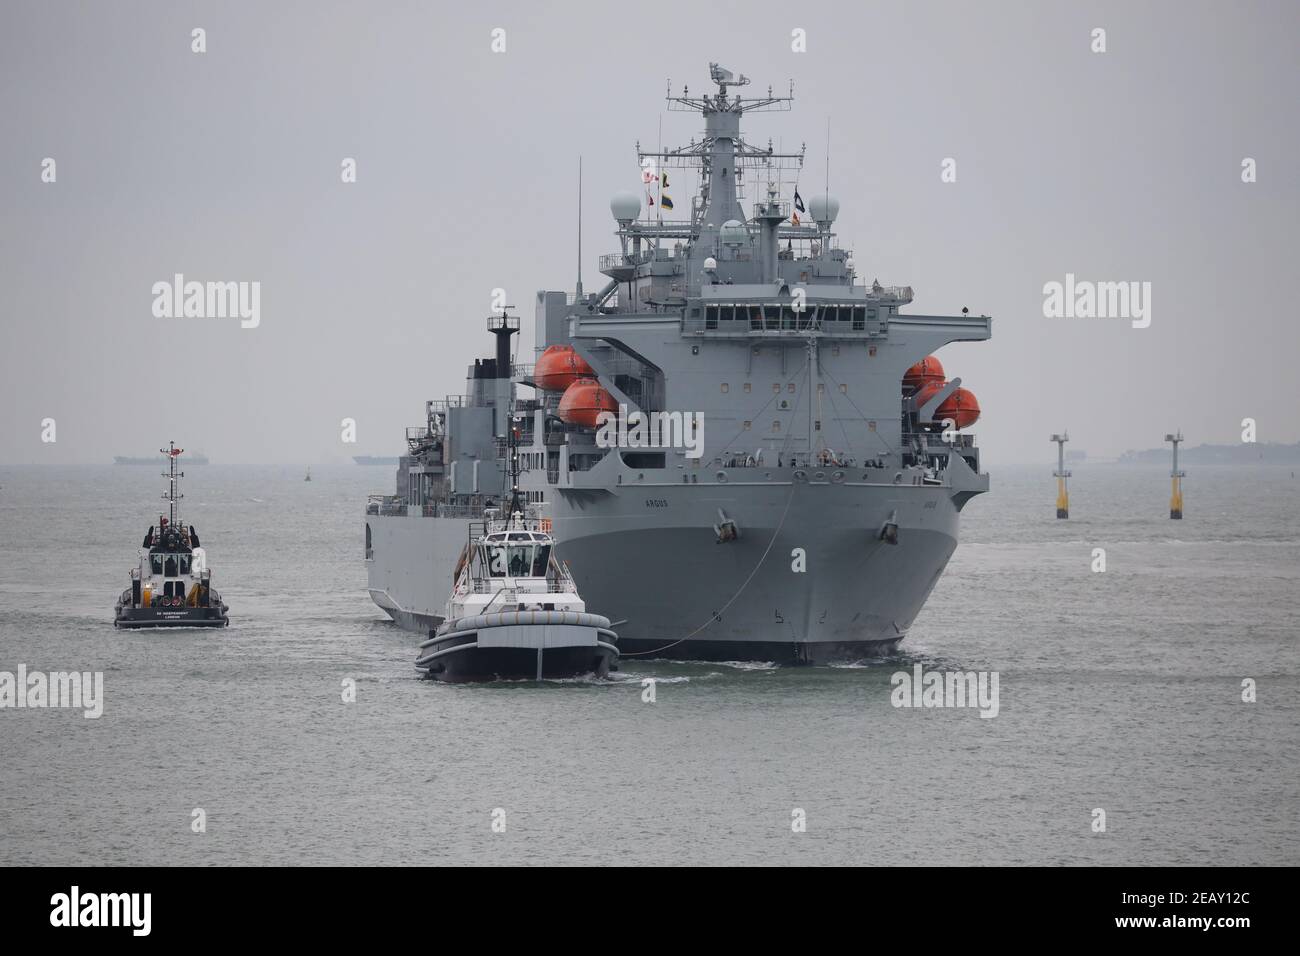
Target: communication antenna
{"type": "Point", "coordinates": [578, 291]}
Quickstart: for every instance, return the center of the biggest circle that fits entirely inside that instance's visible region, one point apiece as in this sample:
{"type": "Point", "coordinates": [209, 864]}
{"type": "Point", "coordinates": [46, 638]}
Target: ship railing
{"type": "Point", "coordinates": [385, 505]}
{"type": "Point", "coordinates": [779, 207]}
{"type": "Point", "coordinates": [935, 440]}
{"type": "Point", "coordinates": [489, 585]}
{"type": "Point", "coordinates": [618, 260]}
{"type": "Point", "coordinates": [399, 507]}
{"type": "Point", "coordinates": [903, 293]}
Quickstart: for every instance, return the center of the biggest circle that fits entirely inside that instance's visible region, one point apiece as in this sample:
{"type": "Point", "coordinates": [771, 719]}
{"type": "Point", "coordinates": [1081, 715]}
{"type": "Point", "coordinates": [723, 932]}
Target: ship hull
{"type": "Point", "coordinates": [143, 617]}
{"type": "Point", "coordinates": [409, 566]}
{"type": "Point", "coordinates": [807, 581]}
{"type": "Point", "coordinates": [516, 663]}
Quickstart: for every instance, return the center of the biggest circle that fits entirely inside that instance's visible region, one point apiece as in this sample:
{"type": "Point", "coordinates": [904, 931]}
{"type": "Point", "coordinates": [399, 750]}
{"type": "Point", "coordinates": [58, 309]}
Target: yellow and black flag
{"type": "Point", "coordinates": [665, 201]}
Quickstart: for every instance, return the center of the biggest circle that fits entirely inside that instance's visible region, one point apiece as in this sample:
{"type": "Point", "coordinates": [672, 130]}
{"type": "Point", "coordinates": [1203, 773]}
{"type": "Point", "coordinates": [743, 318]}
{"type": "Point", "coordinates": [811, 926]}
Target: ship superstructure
{"type": "Point", "coordinates": [454, 471]}
{"type": "Point", "coordinates": [812, 514]}
{"type": "Point", "coordinates": [744, 451]}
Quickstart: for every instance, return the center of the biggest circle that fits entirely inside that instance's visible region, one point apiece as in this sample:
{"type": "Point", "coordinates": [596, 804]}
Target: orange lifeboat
{"type": "Point", "coordinates": [559, 367]}
{"type": "Point", "coordinates": [583, 401]}
{"type": "Point", "coordinates": [961, 407]}
{"type": "Point", "coordinates": [928, 370]}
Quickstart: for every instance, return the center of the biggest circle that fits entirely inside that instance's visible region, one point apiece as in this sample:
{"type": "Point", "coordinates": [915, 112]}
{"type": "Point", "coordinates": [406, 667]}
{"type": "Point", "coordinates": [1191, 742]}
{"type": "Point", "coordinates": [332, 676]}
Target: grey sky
{"type": "Point", "coordinates": [225, 166]}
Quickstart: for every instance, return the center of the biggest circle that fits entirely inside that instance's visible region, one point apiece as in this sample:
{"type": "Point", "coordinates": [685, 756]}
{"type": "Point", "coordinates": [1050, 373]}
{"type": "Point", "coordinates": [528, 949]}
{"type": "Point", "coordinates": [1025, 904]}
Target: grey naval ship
{"type": "Point", "coordinates": [742, 450]}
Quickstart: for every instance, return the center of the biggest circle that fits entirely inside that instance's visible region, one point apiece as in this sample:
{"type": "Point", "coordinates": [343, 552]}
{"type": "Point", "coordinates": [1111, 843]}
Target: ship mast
{"type": "Point", "coordinates": [172, 496]}
{"type": "Point", "coordinates": [814, 401]}
{"type": "Point", "coordinates": [512, 445]}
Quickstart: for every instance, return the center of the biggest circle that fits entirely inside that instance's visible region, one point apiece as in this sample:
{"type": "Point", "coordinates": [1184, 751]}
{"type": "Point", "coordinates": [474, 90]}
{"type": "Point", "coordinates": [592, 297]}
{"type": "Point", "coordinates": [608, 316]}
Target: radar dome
{"type": "Point", "coordinates": [733, 233]}
{"type": "Point", "coordinates": [824, 208]}
{"type": "Point", "coordinates": [625, 206]}
{"type": "Point", "coordinates": [710, 264]}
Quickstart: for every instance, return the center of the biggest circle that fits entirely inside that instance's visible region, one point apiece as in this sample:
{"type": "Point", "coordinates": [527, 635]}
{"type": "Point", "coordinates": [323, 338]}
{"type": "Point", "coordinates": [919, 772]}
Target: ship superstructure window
{"type": "Point", "coordinates": [746, 388]}
{"type": "Point", "coordinates": [517, 560]}
{"type": "Point", "coordinates": [776, 426]}
{"type": "Point", "coordinates": [170, 565]}
{"type": "Point", "coordinates": [725, 387]}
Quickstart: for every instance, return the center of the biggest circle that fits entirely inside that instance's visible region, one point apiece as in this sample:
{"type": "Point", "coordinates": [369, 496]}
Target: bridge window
{"type": "Point", "coordinates": [830, 313]}
{"type": "Point", "coordinates": [859, 318]}
{"type": "Point", "coordinates": [710, 316]}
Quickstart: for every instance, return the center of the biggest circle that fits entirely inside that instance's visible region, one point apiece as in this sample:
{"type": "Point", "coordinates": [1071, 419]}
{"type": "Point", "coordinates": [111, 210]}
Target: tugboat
{"type": "Point", "coordinates": [172, 586]}
{"type": "Point", "coordinates": [515, 611]}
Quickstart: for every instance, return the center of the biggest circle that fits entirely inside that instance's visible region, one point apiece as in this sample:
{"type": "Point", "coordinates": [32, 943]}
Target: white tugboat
{"type": "Point", "coordinates": [515, 611]}
{"type": "Point", "coordinates": [171, 586]}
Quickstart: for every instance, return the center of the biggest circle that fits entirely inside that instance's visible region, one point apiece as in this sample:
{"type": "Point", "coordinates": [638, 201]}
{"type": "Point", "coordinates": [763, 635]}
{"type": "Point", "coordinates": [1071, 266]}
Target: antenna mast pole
{"type": "Point", "coordinates": [172, 496]}
{"type": "Point", "coordinates": [579, 289]}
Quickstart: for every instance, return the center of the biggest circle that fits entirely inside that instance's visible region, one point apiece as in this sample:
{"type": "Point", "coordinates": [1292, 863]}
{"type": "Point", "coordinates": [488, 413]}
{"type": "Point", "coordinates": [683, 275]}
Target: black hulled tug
{"type": "Point", "coordinates": [171, 586]}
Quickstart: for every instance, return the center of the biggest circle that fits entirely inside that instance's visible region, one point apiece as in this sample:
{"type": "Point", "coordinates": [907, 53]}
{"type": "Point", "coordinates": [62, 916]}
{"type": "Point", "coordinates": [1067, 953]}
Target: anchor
{"type": "Point", "coordinates": [726, 529]}
{"type": "Point", "coordinates": [889, 530]}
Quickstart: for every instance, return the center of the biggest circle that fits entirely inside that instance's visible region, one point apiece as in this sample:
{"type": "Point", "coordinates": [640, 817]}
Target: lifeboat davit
{"type": "Point", "coordinates": [928, 370]}
{"type": "Point", "coordinates": [583, 401]}
{"type": "Point", "coordinates": [559, 367]}
{"type": "Point", "coordinates": [927, 392]}
{"type": "Point", "coordinates": [961, 407]}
